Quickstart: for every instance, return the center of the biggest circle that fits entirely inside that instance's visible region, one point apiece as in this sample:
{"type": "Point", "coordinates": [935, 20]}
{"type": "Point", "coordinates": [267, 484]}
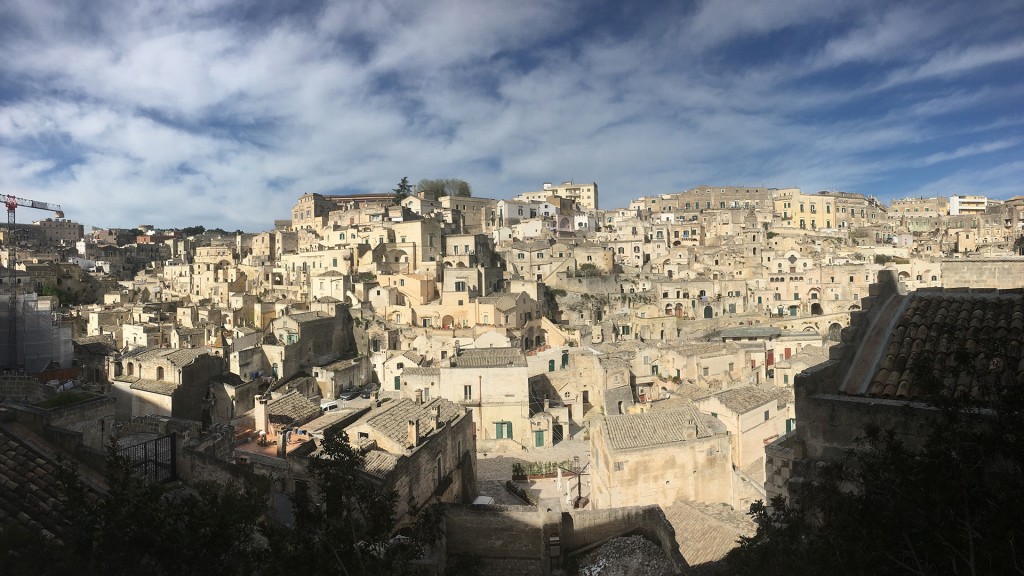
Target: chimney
{"type": "Point", "coordinates": [414, 433]}
{"type": "Point", "coordinates": [437, 417]}
{"type": "Point", "coordinates": [547, 404]}
{"type": "Point", "coordinates": [282, 444]}
{"type": "Point", "coordinates": [261, 416]}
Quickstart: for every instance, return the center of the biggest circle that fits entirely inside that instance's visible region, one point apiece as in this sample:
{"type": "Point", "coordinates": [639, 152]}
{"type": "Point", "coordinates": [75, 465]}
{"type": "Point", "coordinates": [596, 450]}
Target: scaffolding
{"type": "Point", "coordinates": [43, 338]}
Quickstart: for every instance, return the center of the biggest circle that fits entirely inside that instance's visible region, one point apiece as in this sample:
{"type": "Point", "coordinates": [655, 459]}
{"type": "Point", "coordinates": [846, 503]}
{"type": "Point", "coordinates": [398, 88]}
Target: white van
{"type": "Point", "coordinates": [329, 406]}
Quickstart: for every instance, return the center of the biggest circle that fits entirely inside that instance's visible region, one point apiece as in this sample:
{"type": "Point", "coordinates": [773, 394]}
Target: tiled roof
{"type": "Point", "coordinates": [707, 532]}
{"type": "Point", "coordinates": [751, 332]}
{"type": "Point", "coordinates": [745, 399]}
{"type": "Point", "coordinates": [29, 482]}
{"type": "Point", "coordinates": [292, 408]}
{"type": "Point", "coordinates": [379, 463]}
{"type": "Point", "coordinates": [490, 358]}
{"type": "Point", "coordinates": [307, 316]}
{"type": "Point", "coordinates": [960, 340]}
{"type": "Point", "coordinates": [177, 357]}
{"type": "Point", "coordinates": [655, 428]}
{"type": "Point", "coordinates": [422, 371]}
{"type": "Point", "coordinates": [341, 364]}
{"type": "Point", "coordinates": [155, 386]}
{"type": "Point", "coordinates": [783, 395]}
{"type": "Point", "coordinates": [392, 420]}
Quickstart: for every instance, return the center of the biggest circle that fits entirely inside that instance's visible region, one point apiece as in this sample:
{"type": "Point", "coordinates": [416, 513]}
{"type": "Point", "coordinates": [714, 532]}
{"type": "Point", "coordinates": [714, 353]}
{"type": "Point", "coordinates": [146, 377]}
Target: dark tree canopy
{"type": "Point", "coordinates": [403, 190]}
{"type": "Point", "coordinates": [440, 187]}
{"type": "Point", "coordinates": [222, 529]}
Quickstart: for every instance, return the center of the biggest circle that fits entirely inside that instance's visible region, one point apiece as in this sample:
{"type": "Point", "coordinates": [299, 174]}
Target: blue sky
{"type": "Point", "coordinates": [222, 113]}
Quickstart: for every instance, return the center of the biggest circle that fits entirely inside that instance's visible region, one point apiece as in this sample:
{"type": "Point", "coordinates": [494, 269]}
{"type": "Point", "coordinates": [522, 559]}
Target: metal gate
{"type": "Point", "coordinates": [153, 460]}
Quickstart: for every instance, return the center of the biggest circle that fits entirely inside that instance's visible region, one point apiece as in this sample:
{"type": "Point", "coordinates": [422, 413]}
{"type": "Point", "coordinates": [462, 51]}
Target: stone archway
{"type": "Point", "coordinates": [448, 321]}
{"type": "Point", "coordinates": [816, 309]}
{"type": "Point", "coordinates": [835, 332]}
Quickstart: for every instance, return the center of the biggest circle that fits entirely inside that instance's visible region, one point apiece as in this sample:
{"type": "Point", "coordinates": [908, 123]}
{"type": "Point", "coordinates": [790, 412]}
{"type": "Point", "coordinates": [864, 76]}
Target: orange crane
{"type": "Point", "coordinates": [12, 203]}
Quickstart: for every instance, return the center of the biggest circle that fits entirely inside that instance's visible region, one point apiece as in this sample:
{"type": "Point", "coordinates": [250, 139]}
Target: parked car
{"type": "Point", "coordinates": [349, 395]}
{"type": "Point", "coordinates": [367, 392]}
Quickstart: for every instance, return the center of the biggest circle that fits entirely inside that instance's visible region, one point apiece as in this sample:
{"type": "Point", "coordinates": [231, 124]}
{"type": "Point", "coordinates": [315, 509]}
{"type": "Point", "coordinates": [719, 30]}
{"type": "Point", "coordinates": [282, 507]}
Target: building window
{"type": "Point", "coordinates": [620, 466]}
{"type": "Point", "coordinates": [707, 371]}
{"type": "Point", "coordinates": [467, 392]}
{"type": "Point", "coordinates": [766, 415]}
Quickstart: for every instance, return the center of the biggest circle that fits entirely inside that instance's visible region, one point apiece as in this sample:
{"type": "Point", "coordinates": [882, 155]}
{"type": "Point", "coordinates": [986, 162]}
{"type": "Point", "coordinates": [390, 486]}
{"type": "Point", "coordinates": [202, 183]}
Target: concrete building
{"type": "Point", "coordinates": [959, 205]}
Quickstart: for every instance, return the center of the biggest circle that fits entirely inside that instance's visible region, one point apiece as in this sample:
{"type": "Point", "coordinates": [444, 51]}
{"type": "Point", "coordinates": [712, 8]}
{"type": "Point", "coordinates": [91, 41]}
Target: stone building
{"type": "Point", "coordinates": [659, 458]}
{"type": "Point", "coordinates": [583, 194]}
{"type": "Point", "coordinates": [426, 452]}
{"type": "Point", "coordinates": [494, 384]}
{"type": "Point", "coordinates": [753, 419]}
{"type": "Point", "coordinates": [168, 382]}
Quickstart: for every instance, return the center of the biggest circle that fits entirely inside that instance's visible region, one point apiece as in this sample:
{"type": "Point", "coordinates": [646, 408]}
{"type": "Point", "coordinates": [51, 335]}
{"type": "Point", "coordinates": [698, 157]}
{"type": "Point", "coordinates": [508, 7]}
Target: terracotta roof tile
{"type": "Point", "coordinates": [961, 341]}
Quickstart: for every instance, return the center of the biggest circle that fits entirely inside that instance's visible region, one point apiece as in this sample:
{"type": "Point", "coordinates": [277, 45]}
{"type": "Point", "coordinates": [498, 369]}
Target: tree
{"type": "Point", "coordinates": [441, 187]}
{"type": "Point", "coordinates": [221, 528]}
{"type": "Point", "coordinates": [346, 527]}
{"type": "Point", "coordinates": [403, 190]}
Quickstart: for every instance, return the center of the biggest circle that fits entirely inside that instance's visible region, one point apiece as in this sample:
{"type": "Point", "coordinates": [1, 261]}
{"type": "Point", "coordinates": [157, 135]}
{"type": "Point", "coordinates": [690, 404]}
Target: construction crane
{"type": "Point", "coordinates": [12, 202]}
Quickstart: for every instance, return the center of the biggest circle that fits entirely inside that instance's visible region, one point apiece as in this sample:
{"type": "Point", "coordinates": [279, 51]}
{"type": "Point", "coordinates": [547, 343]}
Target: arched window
{"type": "Point", "coordinates": [131, 369]}
{"type": "Point", "coordinates": [159, 372]}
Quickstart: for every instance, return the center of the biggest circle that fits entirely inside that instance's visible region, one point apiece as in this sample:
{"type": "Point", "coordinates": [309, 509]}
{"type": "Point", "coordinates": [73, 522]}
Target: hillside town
{"type": "Point", "coordinates": [555, 372]}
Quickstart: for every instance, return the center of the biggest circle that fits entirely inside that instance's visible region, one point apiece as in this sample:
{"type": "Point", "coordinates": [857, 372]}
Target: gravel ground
{"type": "Point", "coordinates": [626, 556]}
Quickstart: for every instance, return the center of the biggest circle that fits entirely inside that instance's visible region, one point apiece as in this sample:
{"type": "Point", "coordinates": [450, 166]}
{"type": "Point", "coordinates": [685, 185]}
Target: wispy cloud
{"type": "Point", "coordinates": [222, 113]}
{"type": "Point", "coordinates": [967, 151]}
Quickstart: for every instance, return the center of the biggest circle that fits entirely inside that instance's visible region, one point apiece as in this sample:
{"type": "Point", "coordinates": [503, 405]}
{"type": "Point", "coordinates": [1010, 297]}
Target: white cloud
{"type": "Point", "coordinates": [971, 150]}
{"type": "Point", "coordinates": [176, 115]}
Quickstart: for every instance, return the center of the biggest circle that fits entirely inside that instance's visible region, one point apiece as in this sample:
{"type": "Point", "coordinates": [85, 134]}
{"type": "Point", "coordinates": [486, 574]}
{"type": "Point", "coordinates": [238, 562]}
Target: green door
{"type": "Point", "coordinates": [538, 438]}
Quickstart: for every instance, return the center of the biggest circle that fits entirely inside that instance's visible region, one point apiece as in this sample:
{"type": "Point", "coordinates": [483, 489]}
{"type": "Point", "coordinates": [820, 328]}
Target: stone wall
{"type": "Point", "coordinates": [544, 536]}
{"type": "Point", "coordinates": [983, 272]}
{"type": "Point", "coordinates": [19, 387]}
{"type": "Point", "coordinates": [495, 531]}
{"type": "Point", "coordinates": [779, 456]}
{"type": "Point", "coordinates": [90, 421]}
